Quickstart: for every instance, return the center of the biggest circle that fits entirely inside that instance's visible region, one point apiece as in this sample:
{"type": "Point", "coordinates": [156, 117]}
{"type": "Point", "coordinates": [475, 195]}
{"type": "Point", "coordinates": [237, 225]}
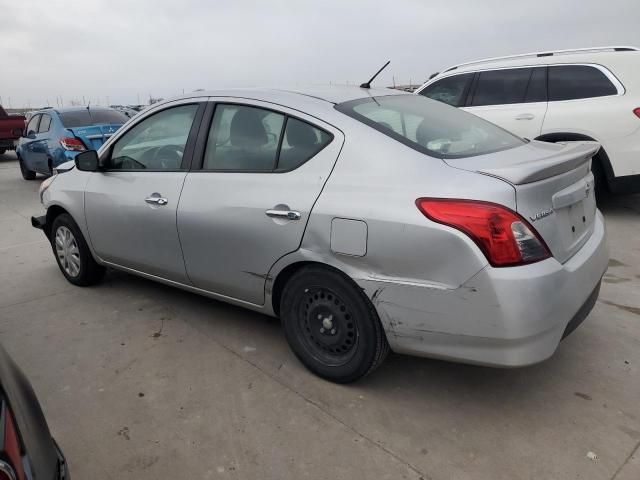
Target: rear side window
{"type": "Point", "coordinates": [570, 82]}
{"type": "Point", "coordinates": [301, 142]}
{"type": "Point", "coordinates": [537, 90]}
{"type": "Point", "coordinates": [243, 138]}
{"type": "Point", "coordinates": [501, 87]}
{"type": "Point", "coordinates": [449, 90]}
{"type": "Point", "coordinates": [45, 123]}
{"type": "Point", "coordinates": [86, 117]}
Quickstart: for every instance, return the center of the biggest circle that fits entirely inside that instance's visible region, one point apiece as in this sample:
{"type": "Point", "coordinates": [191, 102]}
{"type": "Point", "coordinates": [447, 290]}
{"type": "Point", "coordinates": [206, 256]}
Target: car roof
{"type": "Point", "coordinates": [586, 55]}
{"type": "Point", "coordinates": [316, 101]}
{"type": "Point", "coordinates": [327, 93]}
{"type": "Point", "coordinates": [68, 109]}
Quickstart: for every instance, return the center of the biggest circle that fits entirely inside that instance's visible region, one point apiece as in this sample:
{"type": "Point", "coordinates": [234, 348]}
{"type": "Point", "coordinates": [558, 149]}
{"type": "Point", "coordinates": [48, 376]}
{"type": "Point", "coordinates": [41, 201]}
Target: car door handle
{"type": "Point", "coordinates": [287, 214]}
{"type": "Point", "coordinates": [525, 116]}
{"type": "Point", "coordinates": [156, 199]}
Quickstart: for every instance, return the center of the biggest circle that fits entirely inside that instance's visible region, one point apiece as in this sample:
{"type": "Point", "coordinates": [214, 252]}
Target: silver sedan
{"type": "Point", "coordinates": [366, 219]}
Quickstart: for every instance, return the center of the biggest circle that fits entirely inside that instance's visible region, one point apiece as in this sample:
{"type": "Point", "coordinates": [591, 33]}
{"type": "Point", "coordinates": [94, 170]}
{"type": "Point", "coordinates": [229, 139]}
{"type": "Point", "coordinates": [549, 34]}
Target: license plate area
{"type": "Point", "coordinates": [575, 220]}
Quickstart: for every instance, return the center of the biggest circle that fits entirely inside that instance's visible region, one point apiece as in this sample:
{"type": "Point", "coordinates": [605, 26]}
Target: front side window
{"type": "Point", "coordinates": [430, 127]}
{"type": "Point", "coordinates": [501, 87]}
{"type": "Point", "coordinates": [570, 82]}
{"type": "Point", "coordinates": [449, 90]}
{"type": "Point", "coordinates": [45, 123]}
{"type": "Point", "coordinates": [156, 143]}
{"type": "Point", "coordinates": [32, 126]}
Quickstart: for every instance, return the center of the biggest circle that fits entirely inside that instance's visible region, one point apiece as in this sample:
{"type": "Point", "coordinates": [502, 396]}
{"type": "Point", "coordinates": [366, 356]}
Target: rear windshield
{"type": "Point", "coordinates": [430, 127]}
{"type": "Point", "coordinates": [84, 118]}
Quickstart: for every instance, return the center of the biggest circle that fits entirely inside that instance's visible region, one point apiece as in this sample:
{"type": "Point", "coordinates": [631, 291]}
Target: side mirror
{"type": "Point", "coordinates": [31, 135]}
{"type": "Point", "coordinates": [88, 161]}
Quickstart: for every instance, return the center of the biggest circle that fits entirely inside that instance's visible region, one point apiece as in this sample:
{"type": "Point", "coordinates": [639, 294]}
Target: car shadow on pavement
{"type": "Point", "coordinates": [235, 327]}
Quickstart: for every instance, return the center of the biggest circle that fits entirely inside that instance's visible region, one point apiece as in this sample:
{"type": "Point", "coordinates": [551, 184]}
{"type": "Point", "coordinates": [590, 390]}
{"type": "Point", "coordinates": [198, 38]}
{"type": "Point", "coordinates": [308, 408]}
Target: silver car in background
{"type": "Point", "coordinates": [366, 219]}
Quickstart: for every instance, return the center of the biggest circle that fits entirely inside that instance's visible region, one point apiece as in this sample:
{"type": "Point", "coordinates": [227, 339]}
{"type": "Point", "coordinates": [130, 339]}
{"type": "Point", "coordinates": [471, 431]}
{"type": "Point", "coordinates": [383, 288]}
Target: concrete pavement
{"type": "Point", "coordinates": [139, 380]}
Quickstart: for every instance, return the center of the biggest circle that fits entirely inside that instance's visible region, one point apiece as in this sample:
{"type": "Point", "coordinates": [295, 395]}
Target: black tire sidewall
{"type": "Point", "coordinates": [26, 174]}
{"type": "Point", "coordinates": [364, 315]}
{"type": "Point", "coordinates": [87, 263]}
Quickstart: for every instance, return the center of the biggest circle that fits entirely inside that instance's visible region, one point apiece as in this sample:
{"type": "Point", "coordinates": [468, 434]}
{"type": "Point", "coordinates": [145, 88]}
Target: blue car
{"type": "Point", "coordinates": [54, 136]}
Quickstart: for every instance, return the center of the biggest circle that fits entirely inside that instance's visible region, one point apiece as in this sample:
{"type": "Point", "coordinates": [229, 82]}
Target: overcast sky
{"type": "Point", "coordinates": [126, 49]}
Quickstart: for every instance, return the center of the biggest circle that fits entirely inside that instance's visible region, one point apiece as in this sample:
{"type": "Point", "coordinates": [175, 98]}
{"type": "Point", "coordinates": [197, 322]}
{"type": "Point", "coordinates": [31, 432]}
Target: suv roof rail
{"type": "Point", "coordinates": [549, 54]}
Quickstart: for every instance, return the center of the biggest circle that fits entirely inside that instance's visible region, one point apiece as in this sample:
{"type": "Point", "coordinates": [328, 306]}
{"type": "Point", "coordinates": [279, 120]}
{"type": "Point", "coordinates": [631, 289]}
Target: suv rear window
{"type": "Point", "coordinates": [83, 118]}
{"type": "Point", "coordinates": [430, 127]}
{"type": "Point", "coordinates": [570, 82]}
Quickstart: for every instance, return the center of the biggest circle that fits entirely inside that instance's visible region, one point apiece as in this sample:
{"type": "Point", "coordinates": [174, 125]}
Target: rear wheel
{"type": "Point", "coordinates": [72, 253]}
{"type": "Point", "coordinates": [26, 173]}
{"type": "Point", "coordinates": [601, 186]}
{"type": "Point", "coordinates": [331, 326]}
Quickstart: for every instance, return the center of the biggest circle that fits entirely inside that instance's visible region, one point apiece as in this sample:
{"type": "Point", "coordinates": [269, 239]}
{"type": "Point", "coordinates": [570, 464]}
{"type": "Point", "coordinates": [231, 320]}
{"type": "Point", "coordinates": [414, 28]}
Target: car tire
{"type": "Point", "coordinates": [72, 253]}
{"type": "Point", "coordinates": [3, 151]}
{"type": "Point", "coordinates": [331, 326]}
{"type": "Point", "coordinates": [26, 173]}
{"type": "Point", "coordinates": [600, 179]}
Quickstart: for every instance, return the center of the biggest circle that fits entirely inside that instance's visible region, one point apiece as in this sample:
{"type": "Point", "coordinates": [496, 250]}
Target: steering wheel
{"type": "Point", "coordinates": [169, 156]}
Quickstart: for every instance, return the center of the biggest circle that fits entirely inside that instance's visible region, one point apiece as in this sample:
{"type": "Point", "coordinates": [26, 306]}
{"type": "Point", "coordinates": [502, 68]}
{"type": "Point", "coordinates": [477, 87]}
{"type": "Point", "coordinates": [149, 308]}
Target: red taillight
{"type": "Point", "coordinates": [70, 143]}
{"type": "Point", "coordinates": [637, 112]}
{"type": "Point", "coordinates": [505, 238]}
{"type": "Point", "coordinates": [12, 446]}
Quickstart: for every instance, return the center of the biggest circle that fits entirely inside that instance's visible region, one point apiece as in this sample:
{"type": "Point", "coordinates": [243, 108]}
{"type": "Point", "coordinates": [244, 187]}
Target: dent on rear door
{"type": "Point", "coordinates": [229, 242]}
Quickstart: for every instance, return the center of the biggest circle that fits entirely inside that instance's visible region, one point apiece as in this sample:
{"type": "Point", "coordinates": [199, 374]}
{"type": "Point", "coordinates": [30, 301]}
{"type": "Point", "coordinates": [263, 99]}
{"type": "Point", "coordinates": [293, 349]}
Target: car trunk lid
{"type": "Point", "coordinates": [554, 189]}
{"type": "Point", "coordinates": [93, 136]}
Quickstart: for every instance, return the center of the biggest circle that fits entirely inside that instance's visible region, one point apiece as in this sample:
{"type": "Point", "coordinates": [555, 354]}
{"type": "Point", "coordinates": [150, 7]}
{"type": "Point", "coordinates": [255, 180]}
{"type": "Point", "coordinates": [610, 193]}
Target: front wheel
{"type": "Point", "coordinates": [72, 253]}
{"type": "Point", "coordinates": [331, 326]}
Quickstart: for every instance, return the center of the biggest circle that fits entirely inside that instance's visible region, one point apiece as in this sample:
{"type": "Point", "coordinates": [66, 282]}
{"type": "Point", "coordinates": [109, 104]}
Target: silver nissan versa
{"type": "Point", "coordinates": [366, 219]}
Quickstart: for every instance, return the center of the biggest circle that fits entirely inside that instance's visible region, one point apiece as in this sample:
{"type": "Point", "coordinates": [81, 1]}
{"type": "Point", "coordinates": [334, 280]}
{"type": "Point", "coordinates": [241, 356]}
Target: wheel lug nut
{"type": "Point", "coordinates": [319, 317]}
{"type": "Point", "coordinates": [321, 330]}
{"type": "Point", "coordinates": [333, 331]}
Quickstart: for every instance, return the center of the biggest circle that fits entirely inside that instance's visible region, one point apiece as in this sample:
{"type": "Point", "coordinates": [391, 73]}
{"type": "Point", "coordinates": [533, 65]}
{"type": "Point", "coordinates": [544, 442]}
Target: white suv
{"type": "Point", "coordinates": [584, 94]}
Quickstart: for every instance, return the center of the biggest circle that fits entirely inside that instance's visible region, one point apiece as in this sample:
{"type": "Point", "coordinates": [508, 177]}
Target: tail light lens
{"type": "Point", "coordinates": [11, 468]}
{"type": "Point", "coordinates": [505, 238]}
{"type": "Point", "coordinates": [637, 112]}
{"type": "Point", "coordinates": [70, 143]}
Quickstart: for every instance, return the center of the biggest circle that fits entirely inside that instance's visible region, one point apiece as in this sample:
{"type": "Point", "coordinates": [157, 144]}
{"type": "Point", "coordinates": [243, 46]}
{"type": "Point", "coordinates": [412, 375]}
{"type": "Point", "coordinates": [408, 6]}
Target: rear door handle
{"type": "Point", "coordinates": [525, 116]}
{"type": "Point", "coordinates": [286, 214]}
{"type": "Point", "coordinates": [156, 199]}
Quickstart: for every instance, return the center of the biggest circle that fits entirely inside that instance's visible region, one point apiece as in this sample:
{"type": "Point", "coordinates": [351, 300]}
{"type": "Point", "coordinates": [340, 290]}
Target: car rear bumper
{"type": "Point", "coordinates": [506, 317]}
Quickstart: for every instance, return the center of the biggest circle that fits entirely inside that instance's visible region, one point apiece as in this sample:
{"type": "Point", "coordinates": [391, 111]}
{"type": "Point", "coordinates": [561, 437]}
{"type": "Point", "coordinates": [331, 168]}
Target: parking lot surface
{"type": "Point", "coordinates": [138, 380]}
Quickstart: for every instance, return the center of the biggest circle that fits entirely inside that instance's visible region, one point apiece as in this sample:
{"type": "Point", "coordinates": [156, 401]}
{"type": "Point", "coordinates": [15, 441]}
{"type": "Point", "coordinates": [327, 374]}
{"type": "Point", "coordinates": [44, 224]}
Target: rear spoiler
{"type": "Point", "coordinates": [569, 158]}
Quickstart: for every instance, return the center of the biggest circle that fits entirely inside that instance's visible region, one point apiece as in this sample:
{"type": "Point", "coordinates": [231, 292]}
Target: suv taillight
{"type": "Point", "coordinates": [637, 112]}
{"type": "Point", "coordinates": [70, 143]}
{"type": "Point", "coordinates": [11, 466]}
{"type": "Point", "coordinates": [505, 238]}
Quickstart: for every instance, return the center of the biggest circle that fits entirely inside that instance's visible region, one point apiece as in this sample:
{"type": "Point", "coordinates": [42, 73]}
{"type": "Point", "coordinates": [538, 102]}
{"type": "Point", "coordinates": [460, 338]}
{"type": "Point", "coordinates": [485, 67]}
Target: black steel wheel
{"type": "Point", "coordinates": [331, 326]}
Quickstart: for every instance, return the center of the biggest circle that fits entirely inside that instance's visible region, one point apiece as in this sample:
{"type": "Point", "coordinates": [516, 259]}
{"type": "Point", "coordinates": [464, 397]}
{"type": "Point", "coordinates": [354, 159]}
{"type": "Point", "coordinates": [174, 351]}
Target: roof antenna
{"type": "Point", "coordinates": [368, 84]}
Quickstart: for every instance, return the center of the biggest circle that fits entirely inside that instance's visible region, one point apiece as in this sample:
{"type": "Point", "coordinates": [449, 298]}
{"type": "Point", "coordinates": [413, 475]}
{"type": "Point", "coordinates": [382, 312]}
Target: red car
{"type": "Point", "coordinates": [11, 128]}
